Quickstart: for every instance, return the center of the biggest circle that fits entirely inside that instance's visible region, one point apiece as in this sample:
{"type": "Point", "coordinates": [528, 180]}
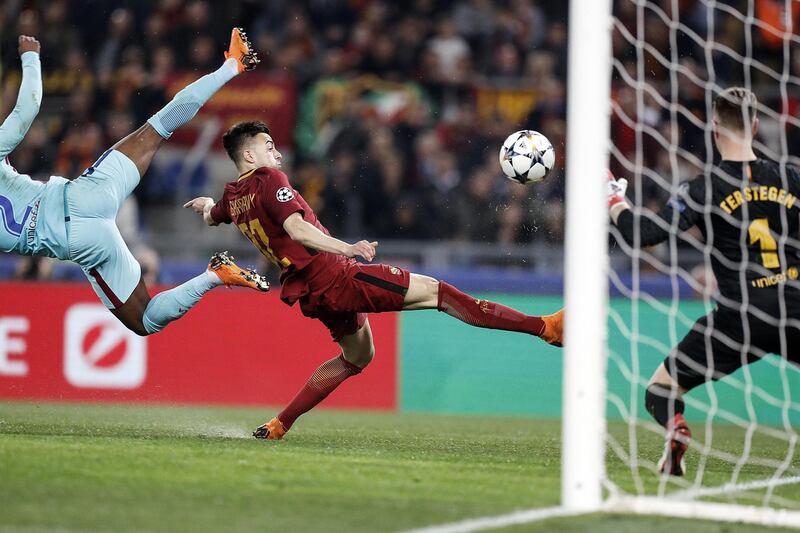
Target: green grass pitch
{"type": "Point", "coordinates": [77, 467]}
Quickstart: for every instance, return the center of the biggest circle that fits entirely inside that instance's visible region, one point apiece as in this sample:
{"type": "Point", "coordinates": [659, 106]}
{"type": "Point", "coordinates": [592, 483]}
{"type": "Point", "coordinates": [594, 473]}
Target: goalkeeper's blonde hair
{"type": "Point", "coordinates": [735, 105]}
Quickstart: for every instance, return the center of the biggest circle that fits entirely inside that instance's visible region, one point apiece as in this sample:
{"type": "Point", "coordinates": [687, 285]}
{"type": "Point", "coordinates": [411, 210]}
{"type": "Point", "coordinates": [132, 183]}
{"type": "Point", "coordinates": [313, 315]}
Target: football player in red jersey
{"type": "Point", "coordinates": [320, 272]}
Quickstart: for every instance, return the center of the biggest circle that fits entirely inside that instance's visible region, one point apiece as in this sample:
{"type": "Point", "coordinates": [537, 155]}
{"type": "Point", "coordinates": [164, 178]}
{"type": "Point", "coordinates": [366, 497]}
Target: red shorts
{"type": "Point", "coordinates": [340, 294]}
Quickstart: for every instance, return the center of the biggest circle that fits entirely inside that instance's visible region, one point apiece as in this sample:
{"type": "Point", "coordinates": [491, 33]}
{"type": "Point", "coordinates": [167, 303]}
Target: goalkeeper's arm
{"type": "Point", "coordinates": [652, 227]}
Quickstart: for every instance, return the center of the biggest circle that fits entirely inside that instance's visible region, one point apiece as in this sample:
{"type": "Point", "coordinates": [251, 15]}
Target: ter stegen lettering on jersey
{"type": "Point", "coordinates": [759, 193]}
{"type": "Point", "coordinates": [746, 197]}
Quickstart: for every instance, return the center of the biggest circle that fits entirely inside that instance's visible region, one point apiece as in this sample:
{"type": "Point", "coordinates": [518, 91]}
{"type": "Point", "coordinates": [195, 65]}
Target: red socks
{"type": "Point", "coordinates": [485, 314]}
{"type": "Point", "coordinates": [480, 313]}
{"type": "Point", "coordinates": [322, 382]}
{"type": "Point", "coordinates": [677, 422]}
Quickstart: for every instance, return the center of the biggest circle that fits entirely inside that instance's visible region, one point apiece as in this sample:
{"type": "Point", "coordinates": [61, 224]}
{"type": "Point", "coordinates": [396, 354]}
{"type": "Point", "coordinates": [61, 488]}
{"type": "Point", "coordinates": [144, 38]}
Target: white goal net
{"type": "Point", "coordinates": [670, 58]}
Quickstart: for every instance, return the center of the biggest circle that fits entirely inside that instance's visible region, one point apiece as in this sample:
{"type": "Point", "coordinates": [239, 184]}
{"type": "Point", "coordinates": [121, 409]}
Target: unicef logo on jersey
{"type": "Point", "coordinates": [284, 194]}
{"type": "Point", "coordinates": [9, 221]}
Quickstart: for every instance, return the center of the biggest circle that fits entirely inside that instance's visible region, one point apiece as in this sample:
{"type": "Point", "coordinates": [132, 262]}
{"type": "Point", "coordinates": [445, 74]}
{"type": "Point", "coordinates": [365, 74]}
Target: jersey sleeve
{"type": "Point", "coordinates": [219, 213]}
{"type": "Point", "coordinates": [794, 180]}
{"type": "Point", "coordinates": [278, 198]}
{"type": "Point", "coordinates": [655, 228]}
{"type": "Point", "coordinates": [16, 125]}
{"type": "Point", "coordinates": [688, 202]}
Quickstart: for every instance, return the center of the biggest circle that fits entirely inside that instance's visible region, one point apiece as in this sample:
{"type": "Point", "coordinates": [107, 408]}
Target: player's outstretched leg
{"type": "Point", "coordinates": [191, 98]}
{"type": "Point", "coordinates": [141, 145]}
{"type": "Point", "coordinates": [427, 293]}
{"type": "Point", "coordinates": [663, 401]}
{"type": "Point", "coordinates": [146, 316]}
{"type": "Point", "coordinates": [357, 352]}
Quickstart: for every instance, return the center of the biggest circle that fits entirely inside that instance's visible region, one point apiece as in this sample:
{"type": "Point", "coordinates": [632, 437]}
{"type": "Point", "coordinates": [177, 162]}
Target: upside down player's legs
{"type": "Point", "coordinates": [145, 316]}
{"type": "Point", "coordinates": [141, 145]}
{"type": "Point", "coordinates": [103, 187]}
{"type": "Point", "coordinates": [173, 304]}
{"type": "Point", "coordinates": [96, 245]}
{"type": "Point", "coordinates": [191, 98]}
{"type": "Point", "coordinates": [131, 313]}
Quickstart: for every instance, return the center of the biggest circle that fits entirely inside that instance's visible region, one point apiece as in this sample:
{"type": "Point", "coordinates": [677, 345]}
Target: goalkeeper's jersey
{"type": "Point", "coordinates": [32, 214]}
{"type": "Point", "coordinates": [749, 216]}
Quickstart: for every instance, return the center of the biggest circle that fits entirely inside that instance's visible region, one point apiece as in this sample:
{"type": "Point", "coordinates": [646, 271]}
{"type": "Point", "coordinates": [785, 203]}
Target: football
{"type": "Point", "coordinates": [526, 157]}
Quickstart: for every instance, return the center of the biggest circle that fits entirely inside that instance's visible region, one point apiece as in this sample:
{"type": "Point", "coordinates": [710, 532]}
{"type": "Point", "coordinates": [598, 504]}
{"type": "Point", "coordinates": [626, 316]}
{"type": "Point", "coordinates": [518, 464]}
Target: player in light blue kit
{"type": "Point", "coordinates": [74, 220]}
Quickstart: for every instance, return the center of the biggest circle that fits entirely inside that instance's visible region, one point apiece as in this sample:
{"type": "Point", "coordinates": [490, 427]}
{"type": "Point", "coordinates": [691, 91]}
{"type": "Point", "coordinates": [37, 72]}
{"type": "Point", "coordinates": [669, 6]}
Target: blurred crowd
{"type": "Point", "coordinates": [423, 168]}
{"type": "Point", "coordinates": [427, 172]}
{"type": "Point", "coordinates": [666, 86]}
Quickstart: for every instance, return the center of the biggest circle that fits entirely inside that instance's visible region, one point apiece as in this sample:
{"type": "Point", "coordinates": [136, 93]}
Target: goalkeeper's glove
{"type": "Point", "coordinates": [616, 191]}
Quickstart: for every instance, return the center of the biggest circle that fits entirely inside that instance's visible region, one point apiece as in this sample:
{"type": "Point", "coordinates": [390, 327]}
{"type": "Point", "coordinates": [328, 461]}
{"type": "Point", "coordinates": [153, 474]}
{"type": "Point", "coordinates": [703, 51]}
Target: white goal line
{"type": "Point", "coordinates": [722, 512]}
{"type": "Point", "coordinates": [646, 505]}
{"type": "Point", "coordinates": [730, 488]}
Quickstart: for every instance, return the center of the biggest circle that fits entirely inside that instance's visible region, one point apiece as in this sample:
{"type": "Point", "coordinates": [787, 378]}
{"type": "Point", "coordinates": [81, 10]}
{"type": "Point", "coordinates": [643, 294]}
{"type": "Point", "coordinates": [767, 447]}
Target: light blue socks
{"type": "Point", "coordinates": [174, 303]}
{"type": "Point", "coordinates": [190, 99]}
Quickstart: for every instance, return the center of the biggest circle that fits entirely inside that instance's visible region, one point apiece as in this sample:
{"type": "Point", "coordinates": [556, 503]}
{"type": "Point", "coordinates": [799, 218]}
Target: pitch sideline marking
{"type": "Point", "coordinates": [494, 522]}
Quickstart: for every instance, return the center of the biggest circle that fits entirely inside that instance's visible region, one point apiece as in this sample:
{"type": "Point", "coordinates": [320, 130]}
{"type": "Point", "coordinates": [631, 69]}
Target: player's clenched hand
{"type": "Point", "coordinates": [363, 249]}
{"type": "Point", "coordinates": [199, 205]}
{"type": "Point", "coordinates": [28, 44]}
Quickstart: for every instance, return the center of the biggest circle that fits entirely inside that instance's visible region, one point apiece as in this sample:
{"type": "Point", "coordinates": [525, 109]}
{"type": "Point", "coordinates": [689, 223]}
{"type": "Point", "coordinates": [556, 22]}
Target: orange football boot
{"type": "Point", "coordinates": [553, 329]}
{"type": "Point", "coordinates": [242, 51]}
{"type": "Point", "coordinates": [232, 275]}
{"type": "Point", "coordinates": [272, 430]}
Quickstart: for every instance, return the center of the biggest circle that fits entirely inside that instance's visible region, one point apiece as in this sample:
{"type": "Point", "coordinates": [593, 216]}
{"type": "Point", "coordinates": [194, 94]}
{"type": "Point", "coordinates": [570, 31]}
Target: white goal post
{"type": "Point", "coordinates": [586, 250]}
{"type": "Point", "coordinates": [586, 486]}
{"type": "Point", "coordinates": [605, 467]}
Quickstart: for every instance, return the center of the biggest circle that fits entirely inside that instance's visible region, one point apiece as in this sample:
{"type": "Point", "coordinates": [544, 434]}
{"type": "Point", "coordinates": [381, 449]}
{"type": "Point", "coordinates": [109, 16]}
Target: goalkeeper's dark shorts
{"type": "Point", "coordinates": [716, 347]}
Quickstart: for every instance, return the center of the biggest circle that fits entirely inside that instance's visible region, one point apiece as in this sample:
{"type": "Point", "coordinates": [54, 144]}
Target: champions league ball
{"type": "Point", "coordinates": [526, 157]}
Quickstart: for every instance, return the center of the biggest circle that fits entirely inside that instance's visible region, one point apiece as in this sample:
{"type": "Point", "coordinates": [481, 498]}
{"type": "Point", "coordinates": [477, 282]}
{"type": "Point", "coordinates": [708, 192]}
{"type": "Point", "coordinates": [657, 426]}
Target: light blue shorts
{"type": "Point", "coordinates": [92, 202]}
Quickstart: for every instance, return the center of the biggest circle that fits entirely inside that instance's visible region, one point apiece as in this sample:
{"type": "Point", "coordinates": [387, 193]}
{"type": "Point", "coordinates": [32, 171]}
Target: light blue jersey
{"type": "Point", "coordinates": [66, 219]}
{"type": "Point", "coordinates": [74, 220]}
{"type": "Point", "coordinates": [31, 213]}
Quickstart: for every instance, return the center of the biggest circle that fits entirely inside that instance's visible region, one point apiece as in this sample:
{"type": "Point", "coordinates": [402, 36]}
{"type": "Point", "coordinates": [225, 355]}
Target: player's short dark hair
{"type": "Point", "coordinates": [733, 105]}
{"type": "Point", "coordinates": [239, 134]}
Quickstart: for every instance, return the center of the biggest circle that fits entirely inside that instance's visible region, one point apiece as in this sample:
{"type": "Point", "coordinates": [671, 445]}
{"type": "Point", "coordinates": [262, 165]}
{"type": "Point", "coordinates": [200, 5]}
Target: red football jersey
{"type": "Point", "coordinates": [258, 203]}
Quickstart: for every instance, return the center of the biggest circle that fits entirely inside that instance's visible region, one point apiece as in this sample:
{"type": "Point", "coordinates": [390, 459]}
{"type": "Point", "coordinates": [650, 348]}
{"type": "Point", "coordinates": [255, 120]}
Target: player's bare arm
{"type": "Point", "coordinates": [202, 206]}
{"type": "Point", "coordinates": [308, 235]}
